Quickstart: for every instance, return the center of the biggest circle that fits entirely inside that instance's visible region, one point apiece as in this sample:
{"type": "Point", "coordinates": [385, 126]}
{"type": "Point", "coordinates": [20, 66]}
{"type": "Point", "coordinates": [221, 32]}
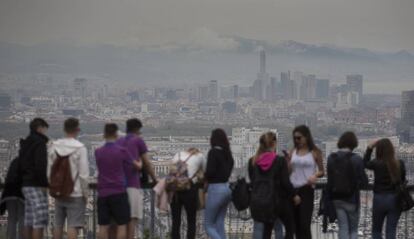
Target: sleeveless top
{"type": "Point", "coordinates": [302, 168]}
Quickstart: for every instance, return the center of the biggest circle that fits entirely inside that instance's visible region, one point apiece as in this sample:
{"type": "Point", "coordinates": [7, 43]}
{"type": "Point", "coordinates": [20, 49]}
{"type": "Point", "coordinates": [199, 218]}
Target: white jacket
{"type": "Point", "coordinates": [79, 163]}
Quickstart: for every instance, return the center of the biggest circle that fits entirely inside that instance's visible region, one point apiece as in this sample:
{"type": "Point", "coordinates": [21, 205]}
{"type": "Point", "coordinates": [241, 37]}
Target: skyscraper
{"type": "Point", "coordinates": [407, 107]}
{"type": "Point", "coordinates": [262, 61]}
{"type": "Point", "coordinates": [322, 89]}
{"type": "Point", "coordinates": [79, 87]}
{"type": "Point", "coordinates": [213, 90]}
{"type": "Point", "coordinates": [288, 86]}
{"type": "Point", "coordinates": [355, 83]}
{"type": "Point", "coordinates": [259, 85]}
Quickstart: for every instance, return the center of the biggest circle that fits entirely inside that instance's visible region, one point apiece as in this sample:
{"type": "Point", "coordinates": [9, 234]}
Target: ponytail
{"type": "Point", "coordinates": [266, 142]}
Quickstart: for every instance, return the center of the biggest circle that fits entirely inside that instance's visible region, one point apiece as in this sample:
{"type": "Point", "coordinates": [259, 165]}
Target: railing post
{"type": "Point", "coordinates": [94, 213]}
{"type": "Point", "coordinates": [152, 211]}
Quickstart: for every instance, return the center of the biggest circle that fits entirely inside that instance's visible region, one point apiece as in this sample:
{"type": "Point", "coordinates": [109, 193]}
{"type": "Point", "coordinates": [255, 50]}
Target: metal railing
{"type": "Point", "coordinates": [239, 225]}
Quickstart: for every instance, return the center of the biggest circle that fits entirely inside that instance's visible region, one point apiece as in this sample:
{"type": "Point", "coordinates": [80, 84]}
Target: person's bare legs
{"type": "Point", "coordinates": [103, 232]}
{"type": "Point", "coordinates": [112, 231]}
{"type": "Point", "coordinates": [121, 232]}
{"type": "Point", "coordinates": [131, 228]}
{"type": "Point", "coordinates": [37, 233]}
{"type": "Point", "coordinates": [73, 232]}
{"type": "Point", "coordinates": [27, 232]}
{"type": "Point", "coordinates": [57, 233]}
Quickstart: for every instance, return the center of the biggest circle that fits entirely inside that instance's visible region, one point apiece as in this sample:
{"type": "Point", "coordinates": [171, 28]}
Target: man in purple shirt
{"type": "Point", "coordinates": [113, 162]}
{"type": "Point", "coordinates": [138, 150]}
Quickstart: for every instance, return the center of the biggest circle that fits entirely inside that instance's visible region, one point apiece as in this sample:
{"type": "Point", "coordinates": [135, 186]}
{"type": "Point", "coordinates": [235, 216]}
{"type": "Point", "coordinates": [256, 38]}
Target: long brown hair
{"type": "Point", "coordinates": [385, 152]}
{"type": "Point", "coordinates": [305, 132]}
{"type": "Point", "coordinates": [267, 141]}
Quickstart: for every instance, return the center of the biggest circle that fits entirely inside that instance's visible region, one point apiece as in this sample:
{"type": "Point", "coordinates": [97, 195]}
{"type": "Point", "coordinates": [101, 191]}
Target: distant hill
{"type": "Point", "coordinates": [186, 63]}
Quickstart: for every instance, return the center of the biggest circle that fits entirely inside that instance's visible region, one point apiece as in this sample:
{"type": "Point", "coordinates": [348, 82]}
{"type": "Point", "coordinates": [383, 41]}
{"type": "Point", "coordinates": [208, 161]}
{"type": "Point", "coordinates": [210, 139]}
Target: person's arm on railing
{"type": "Point", "coordinates": [317, 154]}
{"type": "Point", "coordinates": [367, 157]}
{"type": "Point", "coordinates": [149, 167]}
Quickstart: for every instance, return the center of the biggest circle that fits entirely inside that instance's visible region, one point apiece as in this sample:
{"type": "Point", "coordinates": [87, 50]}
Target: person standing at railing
{"type": "Point", "coordinates": [346, 176]}
{"type": "Point", "coordinates": [72, 208]}
{"type": "Point", "coordinates": [195, 164]}
{"type": "Point", "coordinates": [33, 166]}
{"type": "Point", "coordinates": [306, 165]}
{"type": "Point", "coordinates": [12, 201]}
{"type": "Point", "coordinates": [136, 147]}
{"type": "Point", "coordinates": [112, 162]}
{"type": "Point", "coordinates": [219, 168]}
{"type": "Point", "coordinates": [388, 173]}
{"type": "Point", "coordinates": [269, 176]}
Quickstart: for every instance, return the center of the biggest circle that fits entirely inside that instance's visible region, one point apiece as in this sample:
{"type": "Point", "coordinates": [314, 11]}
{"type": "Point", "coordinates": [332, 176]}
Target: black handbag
{"type": "Point", "coordinates": [404, 199]}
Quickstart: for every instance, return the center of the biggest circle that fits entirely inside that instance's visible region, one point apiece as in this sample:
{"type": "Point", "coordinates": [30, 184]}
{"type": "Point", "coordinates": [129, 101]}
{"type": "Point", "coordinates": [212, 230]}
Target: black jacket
{"type": "Point", "coordinates": [382, 181]}
{"type": "Point", "coordinates": [284, 187]}
{"type": "Point", "coordinates": [33, 160]}
{"type": "Point", "coordinates": [12, 186]}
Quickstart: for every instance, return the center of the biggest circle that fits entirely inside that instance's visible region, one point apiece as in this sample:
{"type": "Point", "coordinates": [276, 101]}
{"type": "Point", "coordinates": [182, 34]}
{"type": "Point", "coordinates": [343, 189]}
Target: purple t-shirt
{"type": "Point", "coordinates": [112, 161]}
{"type": "Point", "coordinates": [136, 147]}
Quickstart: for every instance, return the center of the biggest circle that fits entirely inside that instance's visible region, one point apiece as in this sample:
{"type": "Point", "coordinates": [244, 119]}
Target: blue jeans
{"type": "Point", "coordinates": [218, 199]}
{"type": "Point", "coordinates": [385, 206]}
{"type": "Point", "coordinates": [348, 219]}
{"type": "Point", "coordinates": [258, 230]}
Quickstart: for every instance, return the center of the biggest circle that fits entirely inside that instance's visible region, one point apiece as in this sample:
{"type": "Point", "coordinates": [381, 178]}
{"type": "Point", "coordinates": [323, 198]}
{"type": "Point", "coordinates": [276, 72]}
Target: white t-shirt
{"type": "Point", "coordinates": [194, 163]}
{"type": "Point", "coordinates": [302, 168]}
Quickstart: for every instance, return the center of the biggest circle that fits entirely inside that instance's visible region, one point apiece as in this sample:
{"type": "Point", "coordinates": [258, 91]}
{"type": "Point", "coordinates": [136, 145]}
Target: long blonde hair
{"type": "Point", "coordinates": [266, 142]}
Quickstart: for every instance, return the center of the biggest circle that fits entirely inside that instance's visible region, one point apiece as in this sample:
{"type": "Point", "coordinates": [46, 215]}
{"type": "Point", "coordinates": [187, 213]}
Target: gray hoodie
{"type": "Point", "coordinates": [79, 163]}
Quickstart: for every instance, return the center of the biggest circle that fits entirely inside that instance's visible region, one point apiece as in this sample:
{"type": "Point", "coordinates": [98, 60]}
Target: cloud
{"type": "Point", "coordinates": [205, 38]}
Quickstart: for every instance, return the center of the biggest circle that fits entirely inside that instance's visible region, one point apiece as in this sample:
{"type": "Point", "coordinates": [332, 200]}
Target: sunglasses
{"type": "Point", "coordinates": [297, 138]}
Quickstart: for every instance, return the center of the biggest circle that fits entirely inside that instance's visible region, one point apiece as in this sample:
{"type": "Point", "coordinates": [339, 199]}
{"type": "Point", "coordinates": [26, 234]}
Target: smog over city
{"type": "Point", "coordinates": [186, 67]}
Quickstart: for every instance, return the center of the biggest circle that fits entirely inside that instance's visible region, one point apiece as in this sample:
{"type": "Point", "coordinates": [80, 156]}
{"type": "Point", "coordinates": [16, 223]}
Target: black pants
{"type": "Point", "coordinates": [288, 221]}
{"type": "Point", "coordinates": [303, 212]}
{"type": "Point", "coordinates": [188, 200]}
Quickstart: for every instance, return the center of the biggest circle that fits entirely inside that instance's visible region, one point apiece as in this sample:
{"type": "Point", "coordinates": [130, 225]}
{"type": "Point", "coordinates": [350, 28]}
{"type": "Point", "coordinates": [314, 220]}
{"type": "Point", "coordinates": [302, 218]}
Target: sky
{"type": "Point", "coordinates": [383, 25]}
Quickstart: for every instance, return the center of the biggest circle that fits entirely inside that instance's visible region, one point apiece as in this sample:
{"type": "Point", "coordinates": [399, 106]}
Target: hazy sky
{"type": "Point", "coordinates": [386, 25]}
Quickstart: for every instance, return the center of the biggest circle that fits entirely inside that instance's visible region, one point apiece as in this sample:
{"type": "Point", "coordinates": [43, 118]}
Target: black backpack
{"type": "Point", "coordinates": [240, 194]}
{"type": "Point", "coordinates": [264, 200]}
{"type": "Point", "coordinates": [343, 177]}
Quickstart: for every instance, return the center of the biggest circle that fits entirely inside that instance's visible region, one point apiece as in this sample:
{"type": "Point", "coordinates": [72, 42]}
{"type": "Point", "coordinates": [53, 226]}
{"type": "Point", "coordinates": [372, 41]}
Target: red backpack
{"type": "Point", "coordinates": [61, 182]}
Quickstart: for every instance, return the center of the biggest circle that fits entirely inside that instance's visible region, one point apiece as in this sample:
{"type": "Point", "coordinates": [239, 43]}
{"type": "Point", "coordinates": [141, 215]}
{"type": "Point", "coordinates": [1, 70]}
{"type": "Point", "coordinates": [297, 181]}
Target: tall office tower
{"type": "Point", "coordinates": [257, 90]}
{"type": "Point", "coordinates": [355, 83]}
{"type": "Point", "coordinates": [262, 61]}
{"type": "Point", "coordinates": [203, 93]}
{"type": "Point", "coordinates": [274, 89]}
{"type": "Point", "coordinates": [407, 107]}
{"type": "Point", "coordinates": [308, 87]}
{"type": "Point", "coordinates": [213, 90]}
{"type": "Point", "coordinates": [289, 89]}
{"type": "Point", "coordinates": [79, 87]}
{"type": "Point", "coordinates": [322, 89]}
{"type": "Point", "coordinates": [235, 91]}
{"type": "Point", "coordinates": [259, 85]}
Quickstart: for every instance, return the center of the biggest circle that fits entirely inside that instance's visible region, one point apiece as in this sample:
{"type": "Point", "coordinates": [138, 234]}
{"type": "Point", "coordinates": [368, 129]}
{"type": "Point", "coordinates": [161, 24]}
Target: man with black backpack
{"type": "Point", "coordinates": [346, 176]}
{"type": "Point", "coordinates": [33, 168]}
{"type": "Point", "coordinates": [68, 171]}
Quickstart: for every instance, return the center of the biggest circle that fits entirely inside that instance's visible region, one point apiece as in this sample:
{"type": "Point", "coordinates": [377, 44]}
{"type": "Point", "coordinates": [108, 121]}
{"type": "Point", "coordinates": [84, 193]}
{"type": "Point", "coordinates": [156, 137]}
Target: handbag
{"type": "Point", "coordinates": [404, 200]}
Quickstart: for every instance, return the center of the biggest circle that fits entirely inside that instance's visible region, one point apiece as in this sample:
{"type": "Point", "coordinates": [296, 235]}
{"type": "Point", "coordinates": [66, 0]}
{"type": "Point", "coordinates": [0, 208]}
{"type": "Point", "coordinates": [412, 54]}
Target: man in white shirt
{"type": "Point", "coordinates": [73, 208]}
